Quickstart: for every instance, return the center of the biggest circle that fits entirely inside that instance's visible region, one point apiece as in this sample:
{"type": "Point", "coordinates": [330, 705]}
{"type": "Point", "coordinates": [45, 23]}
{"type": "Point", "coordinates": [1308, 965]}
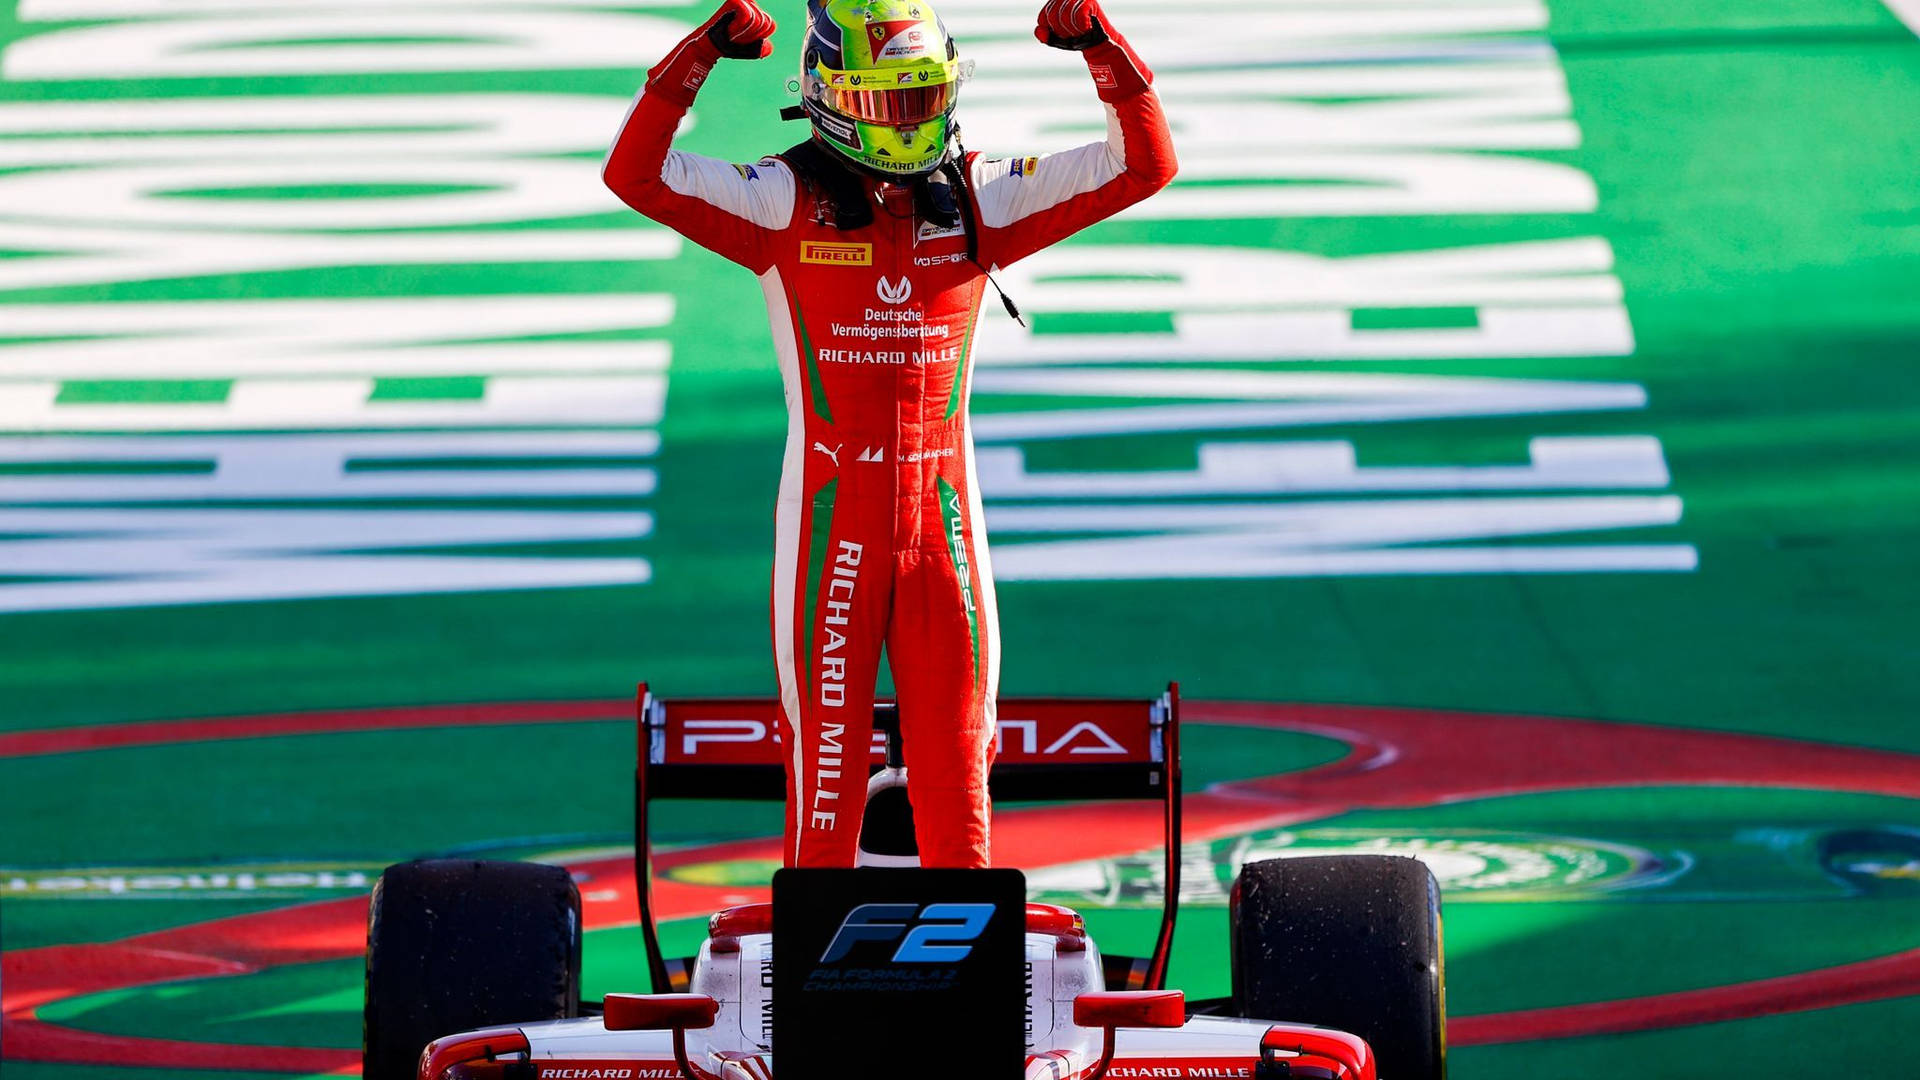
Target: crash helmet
{"type": "Point", "coordinates": [879, 81]}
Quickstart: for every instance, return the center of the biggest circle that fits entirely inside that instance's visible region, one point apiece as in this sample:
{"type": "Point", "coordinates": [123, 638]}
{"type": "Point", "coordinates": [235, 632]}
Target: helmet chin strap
{"type": "Point", "coordinates": [954, 167]}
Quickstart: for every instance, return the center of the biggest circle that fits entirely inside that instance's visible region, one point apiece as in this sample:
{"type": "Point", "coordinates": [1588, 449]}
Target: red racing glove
{"type": "Point", "coordinates": [738, 31]}
{"type": "Point", "coordinates": [1080, 26]}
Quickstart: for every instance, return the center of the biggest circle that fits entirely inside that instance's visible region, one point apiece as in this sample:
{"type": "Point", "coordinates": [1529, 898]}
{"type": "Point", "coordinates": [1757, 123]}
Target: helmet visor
{"type": "Point", "coordinates": [896, 97]}
{"type": "Point", "coordinates": [908, 105]}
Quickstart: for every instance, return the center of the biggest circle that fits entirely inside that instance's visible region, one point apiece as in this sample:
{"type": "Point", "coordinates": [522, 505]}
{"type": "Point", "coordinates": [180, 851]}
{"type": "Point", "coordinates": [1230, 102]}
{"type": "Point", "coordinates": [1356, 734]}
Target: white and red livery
{"type": "Point", "coordinates": [1087, 1016]}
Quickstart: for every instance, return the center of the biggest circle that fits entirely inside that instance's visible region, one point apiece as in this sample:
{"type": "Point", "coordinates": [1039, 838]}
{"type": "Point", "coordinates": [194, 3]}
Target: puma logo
{"type": "Point", "coordinates": [833, 453]}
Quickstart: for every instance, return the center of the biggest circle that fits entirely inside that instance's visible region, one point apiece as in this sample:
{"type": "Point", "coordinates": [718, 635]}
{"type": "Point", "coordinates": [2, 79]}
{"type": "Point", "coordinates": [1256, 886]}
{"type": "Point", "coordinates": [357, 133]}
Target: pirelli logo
{"type": "Point", "coordinates": [837, 254]}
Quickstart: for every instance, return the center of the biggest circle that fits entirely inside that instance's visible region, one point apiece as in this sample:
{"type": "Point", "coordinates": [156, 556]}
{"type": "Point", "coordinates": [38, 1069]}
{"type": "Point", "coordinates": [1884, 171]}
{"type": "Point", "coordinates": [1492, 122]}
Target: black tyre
{"type": "Point", "coordinates": [1349, 942]}
{"type": "Point", "coordinates": [456, 944]}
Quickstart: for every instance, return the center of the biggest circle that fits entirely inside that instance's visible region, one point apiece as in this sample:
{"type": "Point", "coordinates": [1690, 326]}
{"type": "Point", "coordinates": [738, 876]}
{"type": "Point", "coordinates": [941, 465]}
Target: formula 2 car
{"type": "Point", "coordinates": [473, 968]}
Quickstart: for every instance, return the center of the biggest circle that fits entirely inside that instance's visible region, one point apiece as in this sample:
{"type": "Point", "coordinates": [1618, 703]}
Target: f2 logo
{"type": "Point", "coordinates": [930, 935]}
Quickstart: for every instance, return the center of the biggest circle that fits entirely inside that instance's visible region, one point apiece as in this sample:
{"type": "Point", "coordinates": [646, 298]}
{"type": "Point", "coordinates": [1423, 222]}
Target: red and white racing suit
{"type": "Point", "coordinates": [880, 536]}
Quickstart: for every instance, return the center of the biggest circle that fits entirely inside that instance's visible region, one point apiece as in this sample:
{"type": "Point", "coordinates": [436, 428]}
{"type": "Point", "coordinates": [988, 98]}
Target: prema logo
{"type": "Point", "coordinates": [1085, 737]}
{"type": "Point", "coordinates": [891, 293]}
{"type": "Point", "coordinates": [695, 732]}
{"type": "Point", "coordinates": [750, 736]}
{"type": "Point", "coordinates": [930, 935]}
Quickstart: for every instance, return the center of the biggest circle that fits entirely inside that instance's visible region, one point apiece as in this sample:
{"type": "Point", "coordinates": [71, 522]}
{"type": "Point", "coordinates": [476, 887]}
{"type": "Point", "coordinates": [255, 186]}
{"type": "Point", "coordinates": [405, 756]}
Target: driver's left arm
{"type": "Point", "coordinates": [1025, 204]}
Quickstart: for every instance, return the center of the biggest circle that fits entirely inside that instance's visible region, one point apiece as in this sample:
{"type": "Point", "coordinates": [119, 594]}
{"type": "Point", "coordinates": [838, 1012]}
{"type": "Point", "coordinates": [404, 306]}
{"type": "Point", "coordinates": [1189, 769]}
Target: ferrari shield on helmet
{"type": "Point", "coordinates": [880, 80]}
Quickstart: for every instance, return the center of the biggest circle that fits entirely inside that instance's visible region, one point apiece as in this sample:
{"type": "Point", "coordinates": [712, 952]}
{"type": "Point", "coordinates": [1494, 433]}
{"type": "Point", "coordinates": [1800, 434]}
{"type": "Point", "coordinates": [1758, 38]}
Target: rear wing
{"type": "Point", "coordinates": [1047, 750]}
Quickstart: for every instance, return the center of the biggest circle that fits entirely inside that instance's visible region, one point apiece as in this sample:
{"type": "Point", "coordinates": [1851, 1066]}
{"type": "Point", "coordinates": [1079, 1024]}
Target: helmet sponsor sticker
{"type": "Point", "coordinates": [813, 251]}
{"type": "Point", "coordinates": [929, 74]}
{"type": "Point", "coordinates": [898, 39]}
{"type": "Point", "coordinates": [933, 230]}
{"type": "Point", "coordinates": [836, 127]}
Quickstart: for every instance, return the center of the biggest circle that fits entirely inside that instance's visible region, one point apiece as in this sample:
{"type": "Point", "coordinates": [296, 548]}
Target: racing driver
{"type": "Point", "coordinates": [873, 241]}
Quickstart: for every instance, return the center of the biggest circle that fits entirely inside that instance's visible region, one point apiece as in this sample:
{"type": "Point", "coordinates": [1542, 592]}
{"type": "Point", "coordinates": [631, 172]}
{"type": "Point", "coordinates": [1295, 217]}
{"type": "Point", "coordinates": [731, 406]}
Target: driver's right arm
{"type": "Point", "coordinates": [731, 210]}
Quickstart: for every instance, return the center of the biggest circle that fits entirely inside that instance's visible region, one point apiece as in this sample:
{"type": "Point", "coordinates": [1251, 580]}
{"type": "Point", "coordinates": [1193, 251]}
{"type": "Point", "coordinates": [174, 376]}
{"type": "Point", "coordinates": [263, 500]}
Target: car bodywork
{"type": "Point", "coordinates": [1088, 1016]}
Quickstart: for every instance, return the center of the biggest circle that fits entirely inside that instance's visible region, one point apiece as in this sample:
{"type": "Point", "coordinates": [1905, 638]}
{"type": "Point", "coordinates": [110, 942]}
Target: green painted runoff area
{"type": "Point", "coordinates": [1755, 171]}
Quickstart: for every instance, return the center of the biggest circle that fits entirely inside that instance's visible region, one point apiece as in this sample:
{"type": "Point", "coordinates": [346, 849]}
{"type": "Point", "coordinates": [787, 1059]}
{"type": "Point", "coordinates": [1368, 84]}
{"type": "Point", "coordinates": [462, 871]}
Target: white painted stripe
{"type": "Point", "coordinates": [395, 484]}
{"type": "Point", "coordinates": [1178, 384]}
{"type": "Point", "coordinates": [1175, 37]}
{"type": "Point", "coordinates": [342, 447]}
{"type": "Point", "coordinates": [1333, 525]}
{"type": "Point", "coordinates": [286, 326]}
{"type": "Point", "coordinates": [491, 192]}
{"type": "Point", "coordinates": [1251, 540]}
{"type": "Point", "coordinates": [1355, 184]}
{"type": "Point", "coordinates": [316, 466]}
{"type": "Point", "coordinates": [149, 358]}
{"type": "Point", "coordinates": [61, 10]}
{"type": "Point", "coordinates": [281, 43]}
{"type": "Point", "coordinates": [250, 127]}
{"type": "Point", "coordinates": [1525, 80]}
{"type": "Point", "coordinates": [1189, 280]}
{"type": "Point", "coordinates": [94, 256]}
{"type": "Point", "coordinates": [1249, 557]}
{"type": "Point", "coordinates": [145, 557]}
{"type": "Point", "coordinates": [1602, 462]}
{"type": "Point", "coordinates": [309, 404]}
{"type": "Point", "coordinates": [1907, 11]}
{"type": "Point", "coordinates": [1268, 23]}
{"type": "Point", "coordinates": [1364, 399]}
{"type": "Point", "coordinates": [1531, 332]}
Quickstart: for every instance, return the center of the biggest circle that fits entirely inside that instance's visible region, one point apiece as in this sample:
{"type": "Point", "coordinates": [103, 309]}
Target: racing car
{"type": "Point", "coordinates": [473, 967]}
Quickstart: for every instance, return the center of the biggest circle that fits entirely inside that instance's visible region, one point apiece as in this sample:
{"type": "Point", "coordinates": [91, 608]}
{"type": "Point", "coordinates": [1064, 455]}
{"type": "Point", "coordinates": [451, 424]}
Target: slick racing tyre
{"type": "Point", "coordinates": [1349, 942]}
{"type": "Point", "coordinates": [457, 944]}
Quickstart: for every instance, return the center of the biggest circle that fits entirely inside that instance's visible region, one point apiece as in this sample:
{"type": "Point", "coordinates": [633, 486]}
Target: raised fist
{"type": "Point", "coordinates": [1073, 25]}
{"type": "Point", "coordinates": [740, 30]}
